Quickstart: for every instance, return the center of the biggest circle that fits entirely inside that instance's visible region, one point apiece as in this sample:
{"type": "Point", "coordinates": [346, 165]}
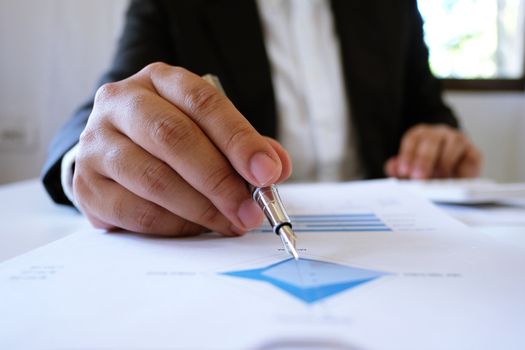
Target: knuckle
{"type": "Point", "coordinates": [424, 154]}
{"type": "Point", "coordinates": [408, 141]}
{"type": "Point", "coordinates": [154, 179]}
{"type": "Point", "coordinates": [147, 217]}
{"type": "Point", "coordinates": [114, 160]}
{"type": "Point", "coordinates": [88, 136]}
{"type": "Point", "coordinates": [210, 214]}
{"type": "Point", "coordinates": [220, 182]}
{"type": "Point", "coordinates": [187, 228]}
{"type": "Point", "coordinates": [107, 92]}
{"type": "Point", "coordinates": [176, 133]}
{"type": "Point", "coordinates": [449, 128]}
{"type": "Point", "coordinates": [444, 134]}
{"type": "Point", "coordinates": [118, 211]}
{"type": "Point", "coordinates": [443, 128]}
{"type": "Point", "coordinates": [156, 67]}
{"type": "Point", "coordinates": [178, 227]}
{"type": "Point", "coordinates": [459, 143]}
{"type": "Point", "coordinates": [431, 139]}
{"type": "Point", "coordinates": [420, 128]}
{"type": "Point", "coordinates": [236, 137]}
{"type": "Point", "coordinates": [461, 138]}
{"type": "Point", "coordinates": [408, 146]}
{"type": "Point", "coordinates": [137, 102]}
{"type": "Point", "coordinates": [202, 99]}
{"type": "Point", "coordinates": [179, 71]}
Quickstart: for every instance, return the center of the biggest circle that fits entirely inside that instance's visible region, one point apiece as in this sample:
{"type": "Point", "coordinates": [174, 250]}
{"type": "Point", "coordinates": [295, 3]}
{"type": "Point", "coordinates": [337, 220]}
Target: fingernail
{"type": "Point", "coordinates": [250, 214]}
{"type": "Point", "coordinates": [263, 168]}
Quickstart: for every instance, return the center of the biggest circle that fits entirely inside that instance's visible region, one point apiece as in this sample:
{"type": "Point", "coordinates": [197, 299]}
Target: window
{"type": "Point", "coordinates": [476, 44]}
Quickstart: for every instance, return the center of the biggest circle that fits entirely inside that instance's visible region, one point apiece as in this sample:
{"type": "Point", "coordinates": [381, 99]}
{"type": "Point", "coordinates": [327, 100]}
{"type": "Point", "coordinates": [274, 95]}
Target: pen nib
{"type": "Point", "coordinates": [288, 238]}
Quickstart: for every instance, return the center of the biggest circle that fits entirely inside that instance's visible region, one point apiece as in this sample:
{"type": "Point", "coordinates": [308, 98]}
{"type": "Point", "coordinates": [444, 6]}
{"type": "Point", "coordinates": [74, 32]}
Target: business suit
{"type": "Point", "coordinates": [383, 54]}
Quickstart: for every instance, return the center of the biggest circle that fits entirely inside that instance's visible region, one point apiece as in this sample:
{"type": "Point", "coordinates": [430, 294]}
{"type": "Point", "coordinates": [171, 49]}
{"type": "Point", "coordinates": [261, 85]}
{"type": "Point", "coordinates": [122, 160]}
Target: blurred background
{"type": "Point", "coordinates": [52, 52]}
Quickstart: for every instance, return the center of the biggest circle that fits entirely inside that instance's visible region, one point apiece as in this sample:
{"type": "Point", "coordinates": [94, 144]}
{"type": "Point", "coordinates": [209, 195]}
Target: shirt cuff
{"type": "Point", "coordinates": [67, 168]}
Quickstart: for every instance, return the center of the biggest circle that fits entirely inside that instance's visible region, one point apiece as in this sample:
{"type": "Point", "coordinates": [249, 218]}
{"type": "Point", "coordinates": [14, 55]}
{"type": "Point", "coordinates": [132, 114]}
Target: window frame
{"type": "Point", "coordinates": [497, 84]}
{"type": "Point", "coordinates": [487, 84]}
{"type": "Point", "coordinates": [484, 84]}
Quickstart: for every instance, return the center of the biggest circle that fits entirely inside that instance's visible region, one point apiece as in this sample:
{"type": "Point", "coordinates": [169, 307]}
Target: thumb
{"type": "Point", "coordinates": [284, 157]}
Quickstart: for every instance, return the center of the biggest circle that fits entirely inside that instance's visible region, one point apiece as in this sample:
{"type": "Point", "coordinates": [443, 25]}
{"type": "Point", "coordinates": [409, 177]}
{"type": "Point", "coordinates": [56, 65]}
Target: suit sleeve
{"type": "Point", "coordinates": [145, 39]}
{"type": "Point", "coordinates": [423, 101]}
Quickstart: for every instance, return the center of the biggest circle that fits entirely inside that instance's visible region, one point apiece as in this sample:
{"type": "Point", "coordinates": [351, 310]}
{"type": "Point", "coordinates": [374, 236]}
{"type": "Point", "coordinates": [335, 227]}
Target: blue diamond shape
{"type": "Point", "coordinates": [310, 280]}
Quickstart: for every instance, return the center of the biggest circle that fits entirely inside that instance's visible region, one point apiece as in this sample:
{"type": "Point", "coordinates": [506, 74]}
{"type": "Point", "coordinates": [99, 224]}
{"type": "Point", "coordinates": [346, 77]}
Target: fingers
{"type": "Point", "coordinates": [419, 151]}
{"type": "Point", "coordinates": [169, 135]}
{"type": "Point", "coordinates": [115, 207]}
{"type": "Point", "coordinates": [248, 152]}
{"type": "Point", "coordinates": [426, 156]}
{"type": "Point", "coordinates": [391, 167]}
{"type": "Point", "coordinates": [151, 179]}
{"type": "Point", "coordinates": [455, 145]}
{"type": "Point", "coordinates": [165, 144]}
{"type": "Point", "coordinates": [470, 165]}
{"type": "Point", "coordinates": [284, 157]}
{"type": "Point", "coordinates": [407, 151]}
{"type": "Point", "coordinates": [428, 151]}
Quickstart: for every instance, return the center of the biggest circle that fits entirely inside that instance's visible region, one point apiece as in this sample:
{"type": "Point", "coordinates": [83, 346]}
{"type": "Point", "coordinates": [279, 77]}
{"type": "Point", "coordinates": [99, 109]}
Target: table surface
{"type": "Point", "coordinates": [32, 220]}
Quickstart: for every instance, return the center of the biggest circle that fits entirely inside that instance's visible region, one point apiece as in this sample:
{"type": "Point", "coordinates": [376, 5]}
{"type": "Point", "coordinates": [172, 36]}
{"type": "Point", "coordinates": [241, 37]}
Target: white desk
{"type": "Point", "coordinates": [30, 220]}
{"type": "Point", "coordinates": [464, 310]}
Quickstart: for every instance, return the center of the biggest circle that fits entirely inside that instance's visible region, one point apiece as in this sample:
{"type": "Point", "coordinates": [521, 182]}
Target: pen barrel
{"type": "Point", "coordinates": [270, 202]}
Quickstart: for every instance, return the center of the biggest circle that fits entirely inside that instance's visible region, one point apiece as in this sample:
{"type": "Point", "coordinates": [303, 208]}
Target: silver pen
{"type": "Point", "coordinates": [269, 201]}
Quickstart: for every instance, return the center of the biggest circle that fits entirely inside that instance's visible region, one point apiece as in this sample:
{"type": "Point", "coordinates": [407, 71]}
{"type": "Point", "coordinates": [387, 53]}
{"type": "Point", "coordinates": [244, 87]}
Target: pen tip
{"type": "Point", "coordinates": [289, 239]}
{"type": "Point", "coordinates": [293, 253]}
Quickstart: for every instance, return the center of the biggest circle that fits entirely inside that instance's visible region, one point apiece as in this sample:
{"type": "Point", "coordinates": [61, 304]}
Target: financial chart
{"type": "Point", "coordinates": [348, 222]}
{"type": "Point", "coordinates": [310, 280]}
{"type": "Point", "coordinates": [378, 269]}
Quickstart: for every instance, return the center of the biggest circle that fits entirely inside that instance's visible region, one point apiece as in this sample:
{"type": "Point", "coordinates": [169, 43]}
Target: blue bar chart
{"type": "Point", "coordinates": [352, 222]}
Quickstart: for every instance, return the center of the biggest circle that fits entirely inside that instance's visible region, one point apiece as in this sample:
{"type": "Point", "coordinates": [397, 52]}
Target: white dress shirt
{"type": "Point", "coordinates": [313, 112]}
{"type": "Point", "coordinates": [312, 107]}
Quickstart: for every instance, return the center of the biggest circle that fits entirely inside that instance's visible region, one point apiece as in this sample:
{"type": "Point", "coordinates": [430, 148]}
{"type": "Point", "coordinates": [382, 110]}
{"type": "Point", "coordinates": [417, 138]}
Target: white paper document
{"type": "Point", "coordinates": [467, 191]}
{"type": "Point", "coordinates": [380, 268]}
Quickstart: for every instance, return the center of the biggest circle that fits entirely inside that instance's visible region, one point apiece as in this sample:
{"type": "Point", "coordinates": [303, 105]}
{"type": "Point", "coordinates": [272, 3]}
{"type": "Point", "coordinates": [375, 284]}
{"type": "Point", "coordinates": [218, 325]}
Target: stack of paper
{"type": "Point", "coordinates": [381, 269]}
{"type": "Point", "coordinates": [467, 191]}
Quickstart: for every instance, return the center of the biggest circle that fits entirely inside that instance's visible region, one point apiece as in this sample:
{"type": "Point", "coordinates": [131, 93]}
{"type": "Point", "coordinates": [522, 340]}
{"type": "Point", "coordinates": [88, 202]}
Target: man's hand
{"type": "Point", "coordinates": [434, 151]}
{"type": "Point", "coordinates": [165, 153]}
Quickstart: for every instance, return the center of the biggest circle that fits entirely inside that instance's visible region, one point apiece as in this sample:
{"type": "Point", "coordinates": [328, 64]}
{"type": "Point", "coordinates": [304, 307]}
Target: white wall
{"type": "Point", "coordinates": [51, 54]}
{"type": "Point", "coordinates": [496, 123]}
{"type": "Point", "coordinates": [53, 51]}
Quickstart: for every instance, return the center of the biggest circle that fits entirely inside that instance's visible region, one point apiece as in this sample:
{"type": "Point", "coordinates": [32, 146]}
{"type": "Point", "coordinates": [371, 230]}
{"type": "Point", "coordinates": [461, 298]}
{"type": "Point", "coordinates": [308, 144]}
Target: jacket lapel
{"type": "Point", "coordinates": [362, 34]}
{"type": "Point", "coordinates": [236, 28]}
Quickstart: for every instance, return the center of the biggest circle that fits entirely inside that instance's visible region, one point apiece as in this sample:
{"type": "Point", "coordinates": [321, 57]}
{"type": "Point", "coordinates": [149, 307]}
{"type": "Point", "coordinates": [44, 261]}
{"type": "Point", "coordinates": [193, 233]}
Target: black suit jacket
{"type": "Point", "coordinates": [384, 57]}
